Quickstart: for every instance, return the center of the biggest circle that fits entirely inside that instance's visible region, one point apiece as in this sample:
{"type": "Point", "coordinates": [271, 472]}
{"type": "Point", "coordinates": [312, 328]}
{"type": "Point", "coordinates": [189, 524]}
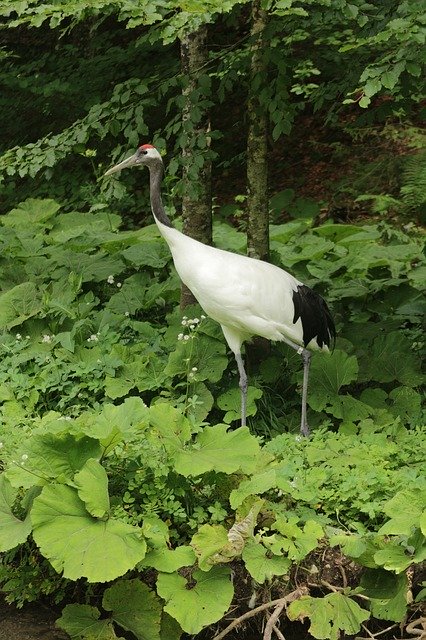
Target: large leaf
{"type": "Point", "coordinates": [203, 352]}
{"type": "Point", "coordinates": [19, 304]}
{"type": "Point", "coordinates": [261, 565]}
{"type": "Point", "coordinates": [12, 530]}
{"type": "Point", "coordinates": [329, 616]}
{"type": "Point", "coordinates": [391, 358]}
{"type": "Point", "coordinates": [169, 426]}
{"type": "Point", "coordinates": [230, 401]}
{"type": "Point", "coordinates": [405, 510]}
{"type": "Point", "coordinates": [31, 211]}
{"type": "Point", "coordinates": [78, 544]}
{"type": "Point", "coordinates": [256, 485]}
{"type": "Point", "coordinates": [82, 621]}
{"type": "Point", "coordinates": [169, 560]}
{"type": "Point", "coordinates": [135, 608]}
{"type": "Point", "coordinates": [208, 540]}
{"type": "Point", "coordinates": [92, 488]}
{"type": "Point", "coordinates": [387, 593]}
{"type": "Point", "coordinates": [329, 373]}
{"type": "Point", "coordinates": [219, 449]}
{"type": "Point", "coordinates": [52, 457]}
{"type": "Point", "coordinates": [150, 254]}
{"type": "Point", "coordinates": [202, 602]}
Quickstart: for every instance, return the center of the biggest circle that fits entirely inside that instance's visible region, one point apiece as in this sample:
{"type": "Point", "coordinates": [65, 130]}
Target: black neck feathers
{"type": "Point", "coordinates": [155, 178]}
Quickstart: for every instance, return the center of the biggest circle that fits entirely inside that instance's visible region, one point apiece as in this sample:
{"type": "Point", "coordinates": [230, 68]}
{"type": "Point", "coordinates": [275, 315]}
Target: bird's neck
{"type": "Point", "coordinates": [155, 179]}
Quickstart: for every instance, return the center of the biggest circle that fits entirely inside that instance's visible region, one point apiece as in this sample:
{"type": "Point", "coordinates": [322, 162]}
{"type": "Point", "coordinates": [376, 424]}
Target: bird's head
{"type": "Point", "coordinates": [146, 154]}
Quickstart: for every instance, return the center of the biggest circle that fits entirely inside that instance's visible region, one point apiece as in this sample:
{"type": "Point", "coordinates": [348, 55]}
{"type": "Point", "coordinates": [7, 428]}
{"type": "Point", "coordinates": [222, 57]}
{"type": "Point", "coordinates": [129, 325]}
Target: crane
{"type": "Point", "coordinates": [247, 297]}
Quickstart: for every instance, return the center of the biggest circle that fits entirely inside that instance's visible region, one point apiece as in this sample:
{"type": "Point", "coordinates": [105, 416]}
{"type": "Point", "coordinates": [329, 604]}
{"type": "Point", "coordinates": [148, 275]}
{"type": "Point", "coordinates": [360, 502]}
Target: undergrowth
{"type": "Point", "coordinates": [128, 490]}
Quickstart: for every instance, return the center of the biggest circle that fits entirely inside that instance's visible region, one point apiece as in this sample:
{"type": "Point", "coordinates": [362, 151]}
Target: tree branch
{"type": "Point", "coordinates": [294, 595]}
{"type": "Point", "coordinates": [272, 620]}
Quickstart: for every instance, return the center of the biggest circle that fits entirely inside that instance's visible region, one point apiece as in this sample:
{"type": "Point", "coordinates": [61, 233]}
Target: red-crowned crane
{"type": "Point", "coordinates": [247, 297]}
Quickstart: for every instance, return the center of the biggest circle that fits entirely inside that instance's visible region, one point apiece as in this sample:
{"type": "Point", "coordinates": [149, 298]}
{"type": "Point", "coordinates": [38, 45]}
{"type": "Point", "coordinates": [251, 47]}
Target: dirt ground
{"type": "Point", "coordinates": [34, 622]}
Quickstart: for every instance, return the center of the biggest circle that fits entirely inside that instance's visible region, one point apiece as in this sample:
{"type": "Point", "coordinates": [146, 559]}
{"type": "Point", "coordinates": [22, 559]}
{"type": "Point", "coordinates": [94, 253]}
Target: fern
{"type": "Point", "coordinates": [413, 190]}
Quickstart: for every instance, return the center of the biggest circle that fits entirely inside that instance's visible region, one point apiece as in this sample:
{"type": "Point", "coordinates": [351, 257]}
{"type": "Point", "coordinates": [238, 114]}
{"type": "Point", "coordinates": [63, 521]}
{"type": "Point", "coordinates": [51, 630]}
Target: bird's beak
{"type": "Point", "coordinates": [129, 162]}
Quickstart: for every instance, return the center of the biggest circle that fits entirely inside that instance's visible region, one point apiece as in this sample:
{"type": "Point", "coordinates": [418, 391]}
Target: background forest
{"type": "Point", "coordinates": [130, 498]}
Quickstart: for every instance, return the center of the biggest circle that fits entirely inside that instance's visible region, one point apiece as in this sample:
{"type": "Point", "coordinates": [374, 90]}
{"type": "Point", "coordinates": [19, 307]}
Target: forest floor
{"type": "Point", "coordinates": [33, 622]}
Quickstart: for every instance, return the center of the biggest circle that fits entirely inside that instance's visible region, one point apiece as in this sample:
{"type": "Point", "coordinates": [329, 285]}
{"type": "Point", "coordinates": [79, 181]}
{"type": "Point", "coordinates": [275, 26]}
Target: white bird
{"type": "Point", "coordinates": [247, 297]}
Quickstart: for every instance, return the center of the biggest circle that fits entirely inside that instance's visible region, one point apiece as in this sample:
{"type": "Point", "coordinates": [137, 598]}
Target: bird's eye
{"type": "Point", "coordinates": [144, 152]}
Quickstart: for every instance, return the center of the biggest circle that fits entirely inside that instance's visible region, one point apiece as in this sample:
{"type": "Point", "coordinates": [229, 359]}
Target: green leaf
{"type": "Point", "coordinates": [169, 426]}
{"type": "Point", "coordinates": [329, 616]}
{"type": "Point", "coordinates": [203, 352]}
{"type": "Point", "coordinates": [19, 304]}
{"type": "Point", "coordinates": [170, 629]}
{"type": "Point", "coordinates": [405, 510]}
{"type": "Point", "coordinates": [230, 401]}
{"type": "Point", "coordinates": [216, 448]}
{"type": "Point", "coordinates": [78, 544]}
{"type": "Point", "coordinates": [92, 487]}
{"type": "Point", "coordinates": [156, 531]}
{"type": "Point", "coordinates": [197, 605]}
{"type": "Point", "coordinates": [135, 608]}
{"type": "Point", "coordinates": [149, 254]}
{"type": "Point", "coordinates": [298, 542]}
{"type": "Point", "coordinates": [390, 78]}
{"type": "Point", "coordinates": [372, 86]}
{"type": "Point", "coordinates": [261, 565]}
{"type": "Point", "coordinates": [169, 560]}
{"type": "Point", "coordinates": [391, 358]}
{"type": "Point", "coordinates": [396, 558]}
{"type": "Point", "coordinates": [208, 540]}
{"type": "Point", "coordinates": [82, 621]}
{"type": "Point", "coordinates": [12, 530]}
{"type": "Point", "coordinates": [328, 375]}
{"type": "Point", "coordinates": [387, 593]}
{"type": "Point", "coordinates": [30, 212]}
{"type": "Point", "coordinates": [256, 485]}
{"type": "Point", "coordinates": [52, 457]}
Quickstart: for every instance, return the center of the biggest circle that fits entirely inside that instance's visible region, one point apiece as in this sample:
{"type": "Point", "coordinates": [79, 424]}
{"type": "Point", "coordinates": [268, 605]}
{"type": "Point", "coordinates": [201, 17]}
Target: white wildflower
{"type": "Point", "coordinates": [194, 369]}
{"type": "Point", "coordinates": [180, 336]}
{"type": "Point", "coordinates": [110, 279]}
{"type": "Point", "coordinates": [126, 313]}
{"type": "Point", "coordinates": [184, 322]}
{"type": "Point", "coordinates": [18, 336]}
{"type": "Point", "coordinates": [47, 338]}
{"type": "Point", "coordinates": [186, 338]}
{"type": "Point", "coordinates": [93, 338]}
{"type": "Point", "coordinates": [1, 445]}
{"type": "Point", "coordinates": [119, 285]}
{"type": "Point", "coordinates": [203, 317]}
{"type": "Point", "coordinates": [24, 457]}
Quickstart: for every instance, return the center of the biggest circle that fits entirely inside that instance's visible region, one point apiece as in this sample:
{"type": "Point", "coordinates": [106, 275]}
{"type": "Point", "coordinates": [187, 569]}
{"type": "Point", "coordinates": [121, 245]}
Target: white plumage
{"type": "Point", "coordinates": [246, 296]}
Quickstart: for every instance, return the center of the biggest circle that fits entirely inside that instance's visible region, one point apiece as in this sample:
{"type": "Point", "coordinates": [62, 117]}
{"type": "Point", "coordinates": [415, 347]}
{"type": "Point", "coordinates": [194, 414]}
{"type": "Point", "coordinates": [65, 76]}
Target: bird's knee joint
{"type": "Point", "coordinates": [306, 356]}
{"type": "Point", "coordinates": [244, 384]}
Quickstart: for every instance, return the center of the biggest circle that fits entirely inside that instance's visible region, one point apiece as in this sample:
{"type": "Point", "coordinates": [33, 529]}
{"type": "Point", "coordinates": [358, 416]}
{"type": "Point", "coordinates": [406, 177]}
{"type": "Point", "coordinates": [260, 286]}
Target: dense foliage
{"type": "Point", "coordinates": [112, 468]}
{"type": "Point", "coordinates": [129, 495]}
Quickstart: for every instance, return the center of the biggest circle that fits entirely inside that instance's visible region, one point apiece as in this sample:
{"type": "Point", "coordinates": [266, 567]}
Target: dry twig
{"type": "Point", "coordinates": [272, 621]}
{"type": "Point", "coordinates": [412, 629]}
{"type": "Point", "coordinates": [294, 595]}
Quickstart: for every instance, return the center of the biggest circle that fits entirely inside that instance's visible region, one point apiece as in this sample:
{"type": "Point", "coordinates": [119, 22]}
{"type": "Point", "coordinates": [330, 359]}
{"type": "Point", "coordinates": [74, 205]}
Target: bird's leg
{"type": "Point", "coordinates": [243, 387]}
{"type": "Point", "coordinates": [306, 357]}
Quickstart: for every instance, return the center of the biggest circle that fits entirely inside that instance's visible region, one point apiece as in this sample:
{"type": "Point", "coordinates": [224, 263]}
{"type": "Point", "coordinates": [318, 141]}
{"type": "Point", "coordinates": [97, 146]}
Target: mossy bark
{"type": "Point", "coordinates": [257, 150]}
{"type": "Point", "coordinates": [196, 200]}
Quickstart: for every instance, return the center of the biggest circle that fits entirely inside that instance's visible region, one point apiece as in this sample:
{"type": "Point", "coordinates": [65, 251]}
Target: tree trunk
{"type": "Point", "coordinates": [196, 200]}
{"type": "Point", "coordinates": [257, 152]}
